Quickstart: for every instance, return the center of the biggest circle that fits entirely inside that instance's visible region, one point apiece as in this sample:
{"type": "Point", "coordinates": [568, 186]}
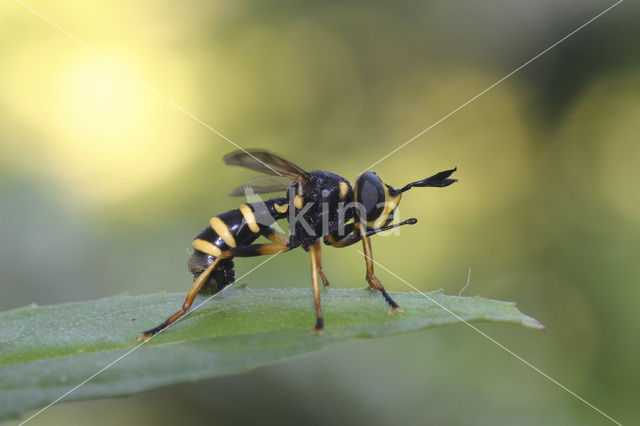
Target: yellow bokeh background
{"type": "Point", "coordinates": [109, 167]}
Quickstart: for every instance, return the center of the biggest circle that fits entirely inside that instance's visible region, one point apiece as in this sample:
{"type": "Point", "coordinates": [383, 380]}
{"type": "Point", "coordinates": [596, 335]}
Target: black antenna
{"type": "Point", "coordinates": [439, 180]}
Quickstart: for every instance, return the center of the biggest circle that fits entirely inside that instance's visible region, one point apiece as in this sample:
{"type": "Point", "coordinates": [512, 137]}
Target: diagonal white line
{"type": "Point", "coordinates": [73, 389]}
{"type": "Point", "coordinates": [168, 100]}
{"type": "Point", "coordinates": [500, 345]}
{"type": "Point", "coordinates": [82, 383]}
{"type": "Point", "coordinates": [492, 86]}
{"type": "Point", "coordinates": [138, 80]}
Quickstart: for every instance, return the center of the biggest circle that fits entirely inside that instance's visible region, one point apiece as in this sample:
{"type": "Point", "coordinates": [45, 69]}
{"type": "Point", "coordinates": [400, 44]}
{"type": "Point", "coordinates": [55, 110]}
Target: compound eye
{"type": "Point", "coordinates": [370, 195]}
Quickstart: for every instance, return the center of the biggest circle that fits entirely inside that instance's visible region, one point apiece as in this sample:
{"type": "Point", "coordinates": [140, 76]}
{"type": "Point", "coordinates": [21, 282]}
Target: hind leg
{"type": "Point", "coordinates": [222, 276]}
{"type": "Point", "coordinates": [188, 301]}
{"type": "Point", "coordinates": [241, 251]}
{"type": "Point", "coordinates": [273, 235]}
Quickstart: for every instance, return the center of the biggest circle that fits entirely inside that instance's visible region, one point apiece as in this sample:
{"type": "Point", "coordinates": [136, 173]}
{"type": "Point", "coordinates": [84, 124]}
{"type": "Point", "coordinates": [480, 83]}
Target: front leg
{"type": "Point", "coordinates": [352, 235]}
{"type": "Point", "coordinates": [373, 281]}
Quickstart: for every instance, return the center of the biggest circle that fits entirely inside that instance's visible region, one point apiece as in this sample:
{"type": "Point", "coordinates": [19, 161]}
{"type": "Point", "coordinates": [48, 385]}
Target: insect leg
{"type": "Point", "coordinates": [242, 251]}
{"type": "Point", "coordinates": [188, 301]}
{"type": "Point", "coordinates": [313, 249]}
{"type": "Point", "coordinates": [318, 255]}
{"type": "Point", "coordinates": [278, 238]}
{"type": "Point", "coordinates": [273, 235]}
{"type": "Point", "coordinates": [258, 250]}
{"type": "Point", "coordinates": [355, 236]}
{"type": "Point", "coordinates": [334, 239]}
{"type": "Point", "coordinates": [373, 281]}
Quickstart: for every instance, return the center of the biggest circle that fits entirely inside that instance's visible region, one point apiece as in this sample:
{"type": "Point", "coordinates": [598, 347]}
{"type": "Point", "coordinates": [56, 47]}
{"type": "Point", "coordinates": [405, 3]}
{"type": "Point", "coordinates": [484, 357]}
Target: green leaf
{"type": "Point", "coordinates": [48, 350]}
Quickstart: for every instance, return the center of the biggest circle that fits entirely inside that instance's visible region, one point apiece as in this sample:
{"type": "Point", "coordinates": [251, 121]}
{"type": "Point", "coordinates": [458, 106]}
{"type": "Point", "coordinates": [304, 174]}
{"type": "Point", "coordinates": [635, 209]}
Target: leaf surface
{"type": "Point", "coordinates": [46, 351]}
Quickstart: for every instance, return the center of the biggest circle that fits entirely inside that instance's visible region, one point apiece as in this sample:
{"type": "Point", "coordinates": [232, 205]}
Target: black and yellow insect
{"type": "Point", "coordinates": [318, 204]}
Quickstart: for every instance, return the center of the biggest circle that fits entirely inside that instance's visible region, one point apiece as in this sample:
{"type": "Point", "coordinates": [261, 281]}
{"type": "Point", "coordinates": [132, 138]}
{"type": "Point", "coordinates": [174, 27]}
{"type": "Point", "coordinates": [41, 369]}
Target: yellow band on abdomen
{"type": "Point", "coordinates": [250, 218]}
{"type": "Point", "coordinates": [222, 230]}
{"type": "Point", "coordinates": [206, 247]}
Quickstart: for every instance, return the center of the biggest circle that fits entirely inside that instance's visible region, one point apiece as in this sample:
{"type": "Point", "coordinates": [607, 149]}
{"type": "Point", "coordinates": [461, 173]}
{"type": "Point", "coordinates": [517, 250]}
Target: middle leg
{"type": "Point", "coordinates": [313, 248]}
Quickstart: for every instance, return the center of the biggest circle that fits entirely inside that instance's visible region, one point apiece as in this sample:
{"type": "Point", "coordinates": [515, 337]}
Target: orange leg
{"type": "Point", "coordinates": [242, 251]}
{"type": "Point", "coordinates": [373, 281]}
{"type": "Point", "coordinates": [188, 301]}
{"type": "Point", "coordinates": [313, 250]}
{"type": "Point", "coordinates": [318, 254]}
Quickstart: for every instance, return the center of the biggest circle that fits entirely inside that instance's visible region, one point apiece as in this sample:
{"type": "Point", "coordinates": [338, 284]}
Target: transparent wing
{"type": "Point", "coordinates": [262, 185]}
{"type": "Point", "coordinates": [265, 162]}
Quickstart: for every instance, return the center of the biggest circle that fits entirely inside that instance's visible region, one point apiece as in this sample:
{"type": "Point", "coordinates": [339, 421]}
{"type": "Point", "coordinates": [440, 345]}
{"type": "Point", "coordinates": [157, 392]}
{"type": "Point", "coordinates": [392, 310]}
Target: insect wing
{"type": "Point", "coordinates": [262, 185]}
{"type": "Point", "coordinates": [265, 162]}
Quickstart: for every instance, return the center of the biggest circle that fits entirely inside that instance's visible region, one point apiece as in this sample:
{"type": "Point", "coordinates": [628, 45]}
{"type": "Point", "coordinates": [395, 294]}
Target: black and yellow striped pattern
{"type": "Point", "coordinates": [206, 247]}
{"type": "Point", "coordinates": [236, 228]}
{"type": "Point", "coordinates": [228, 230]}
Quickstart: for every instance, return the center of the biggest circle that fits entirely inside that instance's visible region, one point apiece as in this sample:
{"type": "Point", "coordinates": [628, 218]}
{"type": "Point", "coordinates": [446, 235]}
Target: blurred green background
{"type": "Point", "coordinates": [103, 185]}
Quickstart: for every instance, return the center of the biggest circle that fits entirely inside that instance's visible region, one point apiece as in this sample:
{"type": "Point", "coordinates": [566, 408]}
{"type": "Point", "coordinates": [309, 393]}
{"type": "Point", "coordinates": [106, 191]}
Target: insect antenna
{"type": "Point", "coordinates": [439, 180]}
